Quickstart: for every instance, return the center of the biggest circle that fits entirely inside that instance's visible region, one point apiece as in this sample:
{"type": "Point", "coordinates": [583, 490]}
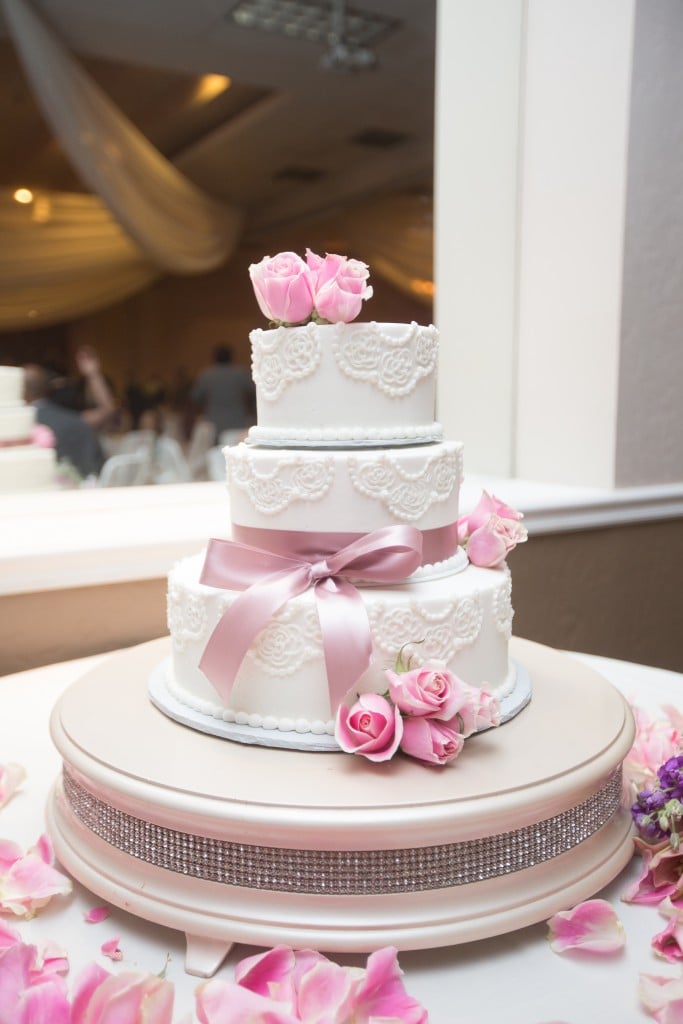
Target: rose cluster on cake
{"type": "Point", "coordinates": [326, 290]}
{"type": "Point", "coordinates": [427, 713]}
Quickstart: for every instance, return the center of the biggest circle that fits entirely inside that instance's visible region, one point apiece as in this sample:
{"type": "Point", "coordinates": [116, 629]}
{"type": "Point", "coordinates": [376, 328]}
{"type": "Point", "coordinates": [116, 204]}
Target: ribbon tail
{"type": "Point", "coordinates": [347, 641]}
{"type": "Point", "coordinates": [242, 621]}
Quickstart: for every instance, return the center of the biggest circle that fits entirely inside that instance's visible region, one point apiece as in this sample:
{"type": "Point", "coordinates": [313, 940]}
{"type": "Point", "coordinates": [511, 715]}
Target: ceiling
{"type": "Point", "coordinates": [287, 142]}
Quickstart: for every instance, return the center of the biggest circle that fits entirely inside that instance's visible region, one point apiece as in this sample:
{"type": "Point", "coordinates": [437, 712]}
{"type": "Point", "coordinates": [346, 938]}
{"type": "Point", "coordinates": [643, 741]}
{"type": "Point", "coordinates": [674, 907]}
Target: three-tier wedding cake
{"type": "Point", "coordinates": [346, 545]}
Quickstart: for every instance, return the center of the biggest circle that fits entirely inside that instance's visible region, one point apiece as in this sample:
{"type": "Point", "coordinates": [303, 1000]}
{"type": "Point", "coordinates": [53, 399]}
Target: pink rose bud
{"type": "Point", "coordinates": [481, 710]}
{"type": "Point", "coordinates": [430, 741]}
{"type": "Point", "coordinates": [372, 727]}
{"type": "Point", "coordinates": [339, 286]}
{"type": "Point", "coordinates": [488, 506]}
{"type": "Point", "coordinates": [283, 288]}
{"type": "Point", "coordinates": [426, 691]}
{"type": "Point", "coordinates": [489, 545]}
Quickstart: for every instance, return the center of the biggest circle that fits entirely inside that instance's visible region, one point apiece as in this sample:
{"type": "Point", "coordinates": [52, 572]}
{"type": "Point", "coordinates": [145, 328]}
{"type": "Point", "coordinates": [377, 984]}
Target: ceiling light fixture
{"type": "Point", "coordinates": [348, 33]}
{"type": "Point", "coordinates": [210, 86]}
{"type": "Point", "coordinates": [23, 195]}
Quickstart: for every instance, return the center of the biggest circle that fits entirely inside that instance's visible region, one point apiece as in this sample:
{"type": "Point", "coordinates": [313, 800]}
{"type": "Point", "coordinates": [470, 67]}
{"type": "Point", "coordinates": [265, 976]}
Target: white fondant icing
{"type": "Point", "coordinates": [345, 491]}
{"type": "Point", "coordinates": [350, 383]}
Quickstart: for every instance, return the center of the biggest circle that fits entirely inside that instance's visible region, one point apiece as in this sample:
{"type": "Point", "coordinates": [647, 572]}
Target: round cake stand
{"type": "Point", "coordinates": [233, 843]}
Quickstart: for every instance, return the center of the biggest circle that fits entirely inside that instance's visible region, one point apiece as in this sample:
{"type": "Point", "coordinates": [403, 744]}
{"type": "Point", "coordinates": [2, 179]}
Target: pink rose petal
{"type": "Point", "coordinates": [668, 944]}
{"type": "Point", "coordinates": [592, 926]}
{"type": "Point", "coordinates": [111, 949]}
{"type": "Point", "coordinates": [28, 882]}
{"type": "Point", "coordinates": [662, 998]}
{"type": "Point", "coordinates": [224, 1002]}
{"type": "Point", "coordinates": [96, 914]}
{"type": "Point", "coordinates": [126, 998]}
{"type": "Point", "coordinates": [11, 777]}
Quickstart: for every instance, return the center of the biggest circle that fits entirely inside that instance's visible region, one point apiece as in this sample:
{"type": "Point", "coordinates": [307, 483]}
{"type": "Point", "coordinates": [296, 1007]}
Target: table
{"type": "Point", "coordinates": [457, 984]}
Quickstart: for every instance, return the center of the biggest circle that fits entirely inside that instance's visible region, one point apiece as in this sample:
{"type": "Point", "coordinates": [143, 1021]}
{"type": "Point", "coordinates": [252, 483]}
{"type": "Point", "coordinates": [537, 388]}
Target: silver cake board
{"type": "Point", "coordinates": [162, 697]}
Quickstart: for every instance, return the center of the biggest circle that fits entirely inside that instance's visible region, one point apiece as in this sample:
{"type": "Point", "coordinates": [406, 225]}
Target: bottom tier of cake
{"type": "Point", "coordinates": [233, 843]}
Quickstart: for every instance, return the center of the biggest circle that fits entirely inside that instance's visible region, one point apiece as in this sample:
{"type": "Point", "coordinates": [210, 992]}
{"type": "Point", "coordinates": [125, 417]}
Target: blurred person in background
{"type": "Point", "coordinates": [89, 393]}
{"type": "Point", "coordinates": [224, 392]}
{"type": "Point", "coordinates": [77, 441]}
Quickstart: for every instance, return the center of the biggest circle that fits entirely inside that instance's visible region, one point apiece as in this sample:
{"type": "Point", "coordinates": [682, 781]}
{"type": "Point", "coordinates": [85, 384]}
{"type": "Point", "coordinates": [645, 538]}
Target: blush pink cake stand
{"type": "Point", "coordinates": [234, 843]}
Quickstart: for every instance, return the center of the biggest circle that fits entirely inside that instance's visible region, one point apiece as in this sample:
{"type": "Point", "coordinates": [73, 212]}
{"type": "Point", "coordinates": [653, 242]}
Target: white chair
{"type": "Point", "coordinates": [131, 469]}
{"type": "Point", "coordinates": [215, 462]}
{"type": "Point", "coordinates": [203, 436]}
{"type": "Point", "coordinates": [227, 438]}
{"type": "Point", "coordinates": [136, 441]}
{"type": "Point", "coordinates": [170, 465]}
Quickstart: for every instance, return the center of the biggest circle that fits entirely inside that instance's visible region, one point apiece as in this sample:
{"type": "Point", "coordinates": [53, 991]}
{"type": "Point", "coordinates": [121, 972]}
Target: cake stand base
{"type": "Point", "coordinates": [232, 843]}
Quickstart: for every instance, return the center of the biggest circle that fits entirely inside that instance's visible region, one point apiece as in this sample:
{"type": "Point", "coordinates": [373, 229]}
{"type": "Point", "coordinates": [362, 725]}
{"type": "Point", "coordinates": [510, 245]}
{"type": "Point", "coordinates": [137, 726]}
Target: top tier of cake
{"type": "Point", "coordinates": [345, 385]}
{"type": "Point", "coordinates": [16, 418]}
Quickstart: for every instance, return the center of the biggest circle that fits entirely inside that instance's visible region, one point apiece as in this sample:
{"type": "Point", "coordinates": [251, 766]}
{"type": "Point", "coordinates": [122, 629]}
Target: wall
{"type": "Point", "coordinates": [650, 420]}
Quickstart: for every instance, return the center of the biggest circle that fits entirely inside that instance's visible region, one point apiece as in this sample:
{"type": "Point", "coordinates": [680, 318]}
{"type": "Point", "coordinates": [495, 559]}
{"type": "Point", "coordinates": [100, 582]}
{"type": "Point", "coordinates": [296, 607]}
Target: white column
{"type": "Point", "coordinates": [532, 128]}
{"type": "Point", "coordinates": [477, 103]}
{"type": "Point", "coordinates": [571, 230]}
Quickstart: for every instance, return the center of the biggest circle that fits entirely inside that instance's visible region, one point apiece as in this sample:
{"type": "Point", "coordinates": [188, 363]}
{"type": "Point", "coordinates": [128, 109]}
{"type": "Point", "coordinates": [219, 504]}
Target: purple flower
{"type": "Point", "coordinates": [671, 776]}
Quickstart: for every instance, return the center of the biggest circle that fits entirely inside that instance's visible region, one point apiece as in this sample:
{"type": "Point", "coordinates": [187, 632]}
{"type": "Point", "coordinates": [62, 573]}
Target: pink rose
{"type": "Point", "coordinates": [487, 506]}
{"type": "Point", "coordinates": [490, 531]}
{"type": "Point", "coordinates": [283, 288]}
{"type": "Point", "coordinates": [43, 436]}
{"type": "Point", "coordinates": [126, 998]}
{"type": "Point", "coordinates": [426, 692]}
{"type": "Point", "coordinates": [372, 727]}
{"type": "Point", "coordinates": [656, 741]}
{"type": "Point", "coordinates": [481, 710]}
{"type": "Point", "coordinates": [339, 286]}
{"type": "Point", "coordinates": [430, 741]}
{"type": "Point", "coordinates": [489, 545]}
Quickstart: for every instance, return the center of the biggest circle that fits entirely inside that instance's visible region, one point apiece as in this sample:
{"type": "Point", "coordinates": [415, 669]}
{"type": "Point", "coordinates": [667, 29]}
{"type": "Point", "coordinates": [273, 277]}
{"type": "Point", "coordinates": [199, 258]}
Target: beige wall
{"type": "Point", "coordinates": [614, 592]}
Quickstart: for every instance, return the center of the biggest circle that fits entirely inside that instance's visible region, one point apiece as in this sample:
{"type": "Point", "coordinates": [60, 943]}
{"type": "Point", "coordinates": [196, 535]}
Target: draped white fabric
{"type": "Point", "coordinates": [395, 235]}
{"type": "Point", "coordinates": [175, 225]}
{"type": "Point", "coordinates": [63, 256]}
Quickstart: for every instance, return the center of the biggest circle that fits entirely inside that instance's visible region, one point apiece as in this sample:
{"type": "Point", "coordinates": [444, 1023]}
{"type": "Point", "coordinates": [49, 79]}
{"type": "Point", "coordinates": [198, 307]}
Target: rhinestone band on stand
{"type": "Point", "coordinates": [345, 872]}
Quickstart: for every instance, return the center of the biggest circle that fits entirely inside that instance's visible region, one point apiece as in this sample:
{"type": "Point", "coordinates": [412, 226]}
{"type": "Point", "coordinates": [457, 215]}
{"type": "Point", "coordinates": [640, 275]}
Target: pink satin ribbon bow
{"type": "Point", "coordinates": [269, 580]}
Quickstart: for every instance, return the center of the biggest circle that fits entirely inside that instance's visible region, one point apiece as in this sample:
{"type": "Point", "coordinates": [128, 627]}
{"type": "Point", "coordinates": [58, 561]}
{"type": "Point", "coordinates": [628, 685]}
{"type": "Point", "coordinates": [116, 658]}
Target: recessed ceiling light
{"type": "Point", "coordinates": [310, 20]}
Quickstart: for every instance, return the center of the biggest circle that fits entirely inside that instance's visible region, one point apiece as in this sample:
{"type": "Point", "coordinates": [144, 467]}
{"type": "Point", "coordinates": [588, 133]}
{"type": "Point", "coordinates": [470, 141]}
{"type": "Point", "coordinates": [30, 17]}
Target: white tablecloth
{"type": "Point", "coordinates": [514, 979]}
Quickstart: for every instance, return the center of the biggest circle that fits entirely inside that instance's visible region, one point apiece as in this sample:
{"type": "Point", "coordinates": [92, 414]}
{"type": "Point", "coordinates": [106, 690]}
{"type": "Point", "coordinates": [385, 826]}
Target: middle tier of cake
{"type": "Point", "coordinates": [308, 501]}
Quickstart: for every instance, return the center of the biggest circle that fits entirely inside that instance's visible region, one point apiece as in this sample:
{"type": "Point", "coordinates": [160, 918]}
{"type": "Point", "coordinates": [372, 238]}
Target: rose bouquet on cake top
{"type": "Point", "coordinates": [291, 291]}
{"type": "Point", "coordinates": [426, 712]}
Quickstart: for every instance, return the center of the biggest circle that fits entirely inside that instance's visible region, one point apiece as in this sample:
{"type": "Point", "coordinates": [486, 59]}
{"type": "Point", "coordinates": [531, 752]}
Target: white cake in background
{"type": "Point", "coordinates": [389, 467]}
{"type": "Point", "coordinates": [24, 466]}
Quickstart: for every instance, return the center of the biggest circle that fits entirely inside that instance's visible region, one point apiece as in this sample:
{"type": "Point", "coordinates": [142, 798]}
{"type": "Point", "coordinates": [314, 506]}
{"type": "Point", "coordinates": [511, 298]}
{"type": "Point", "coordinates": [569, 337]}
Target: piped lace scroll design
{"type": "Point", "coordinates": [393, 363]}
{"type": "Point", "coordinates": [282, 356]}
{"type": "Point", "coordinates": [292, 480]}
{"type": "Point", "coordinates": [187, 616]}
{"type": "Point", "coordinates": [502, 604]}
{"type": "Point", "coordinates": [289, 640]}
{"type": "Point", "coordinates": [407, 495]}
{"type": "Point", "coordinates": [442, 632]}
